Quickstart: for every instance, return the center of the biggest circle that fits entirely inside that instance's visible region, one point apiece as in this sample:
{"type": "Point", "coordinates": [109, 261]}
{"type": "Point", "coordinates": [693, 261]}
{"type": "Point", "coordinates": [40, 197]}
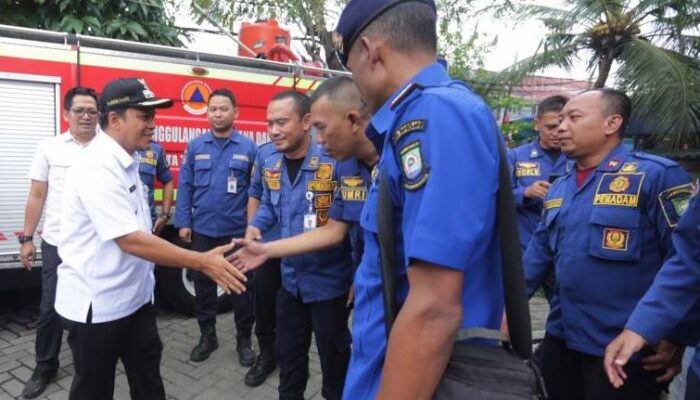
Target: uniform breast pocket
{"type": "Point", "coordinates": [615, 233]}
{"type": "Point", "coordinates": [202, 173]}
{"type": "Point", "coordinates": [550, 220]}
{"type": "Point", "coordinates": [58, 168]}
{"type": "Point", "coordinates": [146, 169]}
{"type": "Point", "coordinates": [239, 169]}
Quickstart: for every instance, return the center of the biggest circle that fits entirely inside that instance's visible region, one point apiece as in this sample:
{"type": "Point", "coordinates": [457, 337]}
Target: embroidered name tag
{"type": "Point", "coordinates": [527, 168]}
{"type": "Point", "coordinates": [619, 189]}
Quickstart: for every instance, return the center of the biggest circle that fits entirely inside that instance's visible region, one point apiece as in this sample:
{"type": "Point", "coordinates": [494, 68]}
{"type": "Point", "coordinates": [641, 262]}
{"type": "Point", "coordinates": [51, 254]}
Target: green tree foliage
{"type": "Point", "coordinates": [137, 20]}
{"type": "Point", "coordinates": [650, 41]}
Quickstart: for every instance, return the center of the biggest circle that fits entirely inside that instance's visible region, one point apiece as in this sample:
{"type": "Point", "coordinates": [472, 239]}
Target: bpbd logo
{"type": "Point", "coordinates": [195, 95]}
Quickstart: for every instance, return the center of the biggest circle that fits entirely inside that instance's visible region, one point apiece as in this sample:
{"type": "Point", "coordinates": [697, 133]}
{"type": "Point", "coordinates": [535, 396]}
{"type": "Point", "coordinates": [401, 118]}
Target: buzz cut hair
{"type": "Point", "coordinates": [302, 103]}
{"type": "Point", "coordinates": [551, 104]}
{"type": "Point", "coordinates": [407, 26]}
{"type": "Point", "coordinates": [341, 90]}
{"type": "Point", "coordinates": [615, 102]}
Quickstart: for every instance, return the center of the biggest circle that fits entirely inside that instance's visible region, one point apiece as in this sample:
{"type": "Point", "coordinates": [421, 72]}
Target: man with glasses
{"type": "Point", "coordinates": [47, 174]}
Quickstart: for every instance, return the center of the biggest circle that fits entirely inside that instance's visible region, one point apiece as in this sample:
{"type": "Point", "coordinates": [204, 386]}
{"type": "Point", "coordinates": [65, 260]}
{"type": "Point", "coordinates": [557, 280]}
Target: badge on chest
{"type": "Point", "coordinates": [527, 168]}
{"type": "Point", "coordinates": [619, 189]}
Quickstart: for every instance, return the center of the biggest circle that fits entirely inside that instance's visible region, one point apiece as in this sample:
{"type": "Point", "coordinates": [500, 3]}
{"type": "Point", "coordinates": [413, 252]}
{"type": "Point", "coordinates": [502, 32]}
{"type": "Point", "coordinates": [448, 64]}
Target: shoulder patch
{"type": "Point", "coordinates": [674, 202]}
{"type": "Point", "coordinates": [415, 125]}
{"type": "Point", "coordinates": [413, 166]}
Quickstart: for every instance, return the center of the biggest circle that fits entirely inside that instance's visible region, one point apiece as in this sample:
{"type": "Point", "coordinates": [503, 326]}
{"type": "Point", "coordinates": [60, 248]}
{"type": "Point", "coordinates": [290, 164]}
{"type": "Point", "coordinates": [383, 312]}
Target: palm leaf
{"type": "Point", "coordinates": [665, 87]}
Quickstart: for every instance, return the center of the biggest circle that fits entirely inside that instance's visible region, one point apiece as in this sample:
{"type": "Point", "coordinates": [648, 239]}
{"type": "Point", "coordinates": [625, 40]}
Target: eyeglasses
{"type": "Point", "coordinates": [79, 112]}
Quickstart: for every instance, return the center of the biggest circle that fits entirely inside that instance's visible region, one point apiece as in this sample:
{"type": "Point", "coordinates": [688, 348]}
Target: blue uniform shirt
{"type": "Point", "coordinates": [205, 199]}
{"type": "Point", "coordinates": [436, 133]}
{"type": "Point", "coordinates": [529, 163]}
{"type": "Point", "coordinates": [256, 184]}
{"type": "Point", "coordinates": [675, 294]}
{"type": "Point", "coordinates": [314, 276]}
{"type": "Point", "coordinates": [153, 165]}
{"type": "Point", "coordinates": [606, 241]}
{"type": "Point", "coordinates": [354, 180]}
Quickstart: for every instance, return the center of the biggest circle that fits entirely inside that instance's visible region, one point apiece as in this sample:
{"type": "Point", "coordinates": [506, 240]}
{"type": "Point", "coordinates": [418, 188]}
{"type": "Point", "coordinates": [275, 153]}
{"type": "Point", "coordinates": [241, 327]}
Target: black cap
{"type": "Point", "coordinates": [123, 93]}
{"type": "Point", "coordinates": [357, 15]}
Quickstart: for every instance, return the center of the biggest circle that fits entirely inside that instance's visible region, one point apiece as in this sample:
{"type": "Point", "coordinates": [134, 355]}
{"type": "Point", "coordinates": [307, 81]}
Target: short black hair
{"type": "Point", "coordinates": [225, 93]}
{"type": "Point", "coordinates": [408, 26]}
{"type": "Point", "coordinates": [103, 117]}
{"type": "Point", "coordinates": [616, 102]}
{"type": "Point", "coordinates": [77, 91]}
{"type": "Point", "coordinates": [302, 103]}
{"type": "Point", "coordinates": [551, 104]}
{"type": "Point", "coordinates": [341, 89]}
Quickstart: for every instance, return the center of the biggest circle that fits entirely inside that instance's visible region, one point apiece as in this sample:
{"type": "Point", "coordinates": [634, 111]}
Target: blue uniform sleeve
{"type": "Point", "coordinates": [448, 209]}
{"type": "Point", "coordinates": [671, 190]}
{"type": "Point", "coordinates": [162, 168]}
{"type": "Point", "coordinates": [185, 190]}
{"type": "Point", "coordinates": [518, 192]}
{"type": "Point", "coordinates": [538, 259]}
{"type": "Point", "coordinates": [256, 185]}
{"type": "Point", "coordinates": [265, 218]}
{"type": "Point", "coordinates": [675, 290]}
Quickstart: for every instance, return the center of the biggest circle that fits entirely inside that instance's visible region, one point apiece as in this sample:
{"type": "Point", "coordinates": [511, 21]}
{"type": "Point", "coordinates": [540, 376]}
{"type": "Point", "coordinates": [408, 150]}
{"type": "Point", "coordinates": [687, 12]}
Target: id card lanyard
{"type": "Point", "coordinates": [310, 216]}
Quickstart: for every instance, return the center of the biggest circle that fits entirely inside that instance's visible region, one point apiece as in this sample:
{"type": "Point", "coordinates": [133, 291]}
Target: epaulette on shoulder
{"type": "Point", "coordinates": [404, 94]}
{"type": "Point", "coordinates": [657, 159]}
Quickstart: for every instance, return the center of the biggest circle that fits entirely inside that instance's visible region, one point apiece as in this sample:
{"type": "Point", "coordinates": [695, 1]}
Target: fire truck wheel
{"type": "Point", "coordinates": [176, 291]}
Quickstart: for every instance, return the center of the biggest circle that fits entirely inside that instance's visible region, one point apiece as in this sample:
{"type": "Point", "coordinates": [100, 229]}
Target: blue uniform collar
{"type": "Point", "coordinates": [614, 160]}
{"type": "Point", "coordinates": [432, 75]}
{"type": "Point", "coordinates": [312, 158]}
{"type": "Point", "coordinates": [209, 137]}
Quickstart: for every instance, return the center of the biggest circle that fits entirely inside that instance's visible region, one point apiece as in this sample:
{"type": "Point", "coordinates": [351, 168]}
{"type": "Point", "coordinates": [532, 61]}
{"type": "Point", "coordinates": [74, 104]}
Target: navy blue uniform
{"type": "Point", "coordinates": [212, 199]}
{"type": "Point", "coordinates": [432, 133]}
{"type": "Point", "coordinates": [606, 240]}
{"type": "Point", "coordinates": [675, 293]}
{"type": "Point", "coordinates": [153, 165]}
{"type": "Point", "coordinates": [354, 180]}
{"type": "Point", "coordinates": [268, 276]}
{"type": "Point", "coordinates": [314, 285]}
{"type": "Point", "coordinates": [529, 163]}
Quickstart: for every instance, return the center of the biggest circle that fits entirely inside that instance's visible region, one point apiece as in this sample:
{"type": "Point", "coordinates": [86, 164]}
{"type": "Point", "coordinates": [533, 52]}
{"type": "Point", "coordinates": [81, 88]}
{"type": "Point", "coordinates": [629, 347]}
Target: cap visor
{"type": "Point", "coordinates": [155, 103]}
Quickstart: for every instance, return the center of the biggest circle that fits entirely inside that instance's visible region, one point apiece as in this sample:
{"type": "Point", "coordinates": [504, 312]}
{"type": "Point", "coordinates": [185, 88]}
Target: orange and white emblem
{"type": "Point", "coordinates": [195, 95]}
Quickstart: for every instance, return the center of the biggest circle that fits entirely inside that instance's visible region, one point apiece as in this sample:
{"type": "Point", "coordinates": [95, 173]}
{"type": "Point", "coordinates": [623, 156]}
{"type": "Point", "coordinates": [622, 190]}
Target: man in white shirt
{"type": "Point", "coordinates": [105, 282]}
{"type": "Point", "coordinates": [47, 174]}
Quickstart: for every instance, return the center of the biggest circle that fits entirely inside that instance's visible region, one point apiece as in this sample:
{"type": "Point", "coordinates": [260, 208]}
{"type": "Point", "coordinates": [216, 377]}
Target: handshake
{"type": "Point", "coordinates": [227, 265]}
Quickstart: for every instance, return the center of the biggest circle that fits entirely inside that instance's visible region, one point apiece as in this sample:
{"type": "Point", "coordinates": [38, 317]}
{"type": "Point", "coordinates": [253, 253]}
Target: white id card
{"type": "Point", "coordinates": [309, 222]}
{"type": "Point", "coordinates": [232, 184]}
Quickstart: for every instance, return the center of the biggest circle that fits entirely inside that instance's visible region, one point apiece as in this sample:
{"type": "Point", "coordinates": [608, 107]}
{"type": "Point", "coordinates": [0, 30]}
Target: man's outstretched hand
{"type": "Point", "coordinates": [220, 270]}
{"type": "Point", "coordinates": [250, 256]}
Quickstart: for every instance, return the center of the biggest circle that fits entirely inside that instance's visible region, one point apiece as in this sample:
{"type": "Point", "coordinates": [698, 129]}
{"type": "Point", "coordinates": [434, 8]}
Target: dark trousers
{"type": "Point", "coordinates": [572, 375]}
{"type": "Point", "coordinates": [97, 347]}
{"type": "Point", "coordinates": [48, 330]}
{"type": "Point", "coordinates": [328, 320]}
{"type": "Point", "coordinates": [205, 301]}
{"type": "Point", "coordinates": [692, 386]}
{"type": "Point", "coordinates": [267, 284]}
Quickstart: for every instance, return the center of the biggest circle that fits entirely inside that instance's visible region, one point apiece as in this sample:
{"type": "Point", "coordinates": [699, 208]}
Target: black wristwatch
{"type": "Point", "coordinates": [25, 238]}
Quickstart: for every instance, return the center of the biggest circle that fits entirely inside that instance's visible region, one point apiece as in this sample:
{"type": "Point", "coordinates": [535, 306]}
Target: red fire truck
{"type": "Point", "coordinates": [38, 67]}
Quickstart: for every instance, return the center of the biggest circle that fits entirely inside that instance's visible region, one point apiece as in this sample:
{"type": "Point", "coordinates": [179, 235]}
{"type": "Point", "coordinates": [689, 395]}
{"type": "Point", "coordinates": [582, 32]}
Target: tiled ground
{"type": "Point", "coordinates": [219, 377]}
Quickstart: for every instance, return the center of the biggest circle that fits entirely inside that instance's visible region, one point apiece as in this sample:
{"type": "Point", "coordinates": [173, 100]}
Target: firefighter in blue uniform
{"type": "Point", "coordinates": [535, 165]}
{"type": "Point", "coordinates": [211, 210]}
{"type": "Point", "coordinates": [433, 134]}
{"type": "Point", "coordinates": [153, 165]}
{"type": "Point", "coordinates": [300, 181]}
{"type": "Point", "coordinates": [606, 230]}
{"type": "Point", "coordinates": [340, 120]}
{"type": "Point", "coordinates": [673, 298]}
